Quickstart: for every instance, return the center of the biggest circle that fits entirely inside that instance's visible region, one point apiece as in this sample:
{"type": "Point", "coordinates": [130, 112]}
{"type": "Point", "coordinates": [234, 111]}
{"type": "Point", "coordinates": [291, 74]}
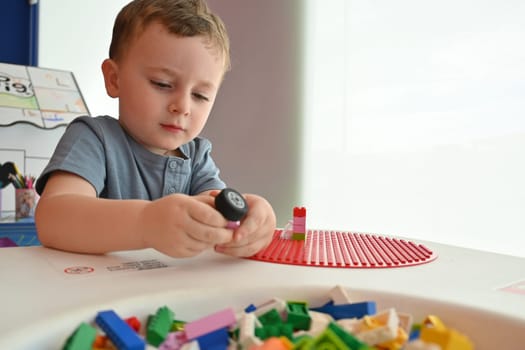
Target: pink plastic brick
{"type": "Point", "coordinates": [210, 323]}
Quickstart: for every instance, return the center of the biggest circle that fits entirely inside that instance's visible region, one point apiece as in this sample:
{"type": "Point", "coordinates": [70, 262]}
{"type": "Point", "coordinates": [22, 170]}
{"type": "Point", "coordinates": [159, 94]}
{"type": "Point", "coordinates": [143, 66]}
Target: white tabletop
{"type": "Point", "coordinates": [47, 293]}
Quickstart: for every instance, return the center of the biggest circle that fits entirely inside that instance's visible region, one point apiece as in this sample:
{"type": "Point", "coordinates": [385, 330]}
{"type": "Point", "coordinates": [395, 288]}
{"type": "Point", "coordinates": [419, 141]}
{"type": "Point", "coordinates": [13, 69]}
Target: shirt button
{"type": "Point", "coordinates": [171, 190]}
{"type": "Point", "coordinates": [173, 164]}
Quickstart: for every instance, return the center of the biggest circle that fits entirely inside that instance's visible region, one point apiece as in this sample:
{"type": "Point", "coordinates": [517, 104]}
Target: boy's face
{"type": "Point", "coordinates": [166, 87]}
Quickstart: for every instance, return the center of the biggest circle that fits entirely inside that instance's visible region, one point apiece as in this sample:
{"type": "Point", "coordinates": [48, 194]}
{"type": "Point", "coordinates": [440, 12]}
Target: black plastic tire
{"type": "Point", "coordinates": [231, 204]}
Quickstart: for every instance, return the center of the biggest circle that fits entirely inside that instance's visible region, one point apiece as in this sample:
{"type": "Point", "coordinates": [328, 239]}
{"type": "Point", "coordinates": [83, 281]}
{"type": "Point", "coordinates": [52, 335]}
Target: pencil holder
{"type": "Point", "coordinates": [25, 202]}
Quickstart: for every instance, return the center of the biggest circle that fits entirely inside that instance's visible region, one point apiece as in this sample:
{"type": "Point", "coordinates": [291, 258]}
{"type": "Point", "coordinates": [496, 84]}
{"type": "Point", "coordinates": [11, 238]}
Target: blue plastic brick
{"type": "Point", "coordinates": [415, 332]}
{"type": "Point", "coordinates": [357, 310]}
{"type": "Point", "coordinates": [217, 340]}
{"type": "Point", "coordinates": [119, 332]}
{"type": "Point", "coordinates": [250, 308]}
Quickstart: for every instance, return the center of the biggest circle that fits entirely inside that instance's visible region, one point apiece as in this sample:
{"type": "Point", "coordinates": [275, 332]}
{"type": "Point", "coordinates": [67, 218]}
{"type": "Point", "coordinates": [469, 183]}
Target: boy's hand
{"type": "Point", "coordinates": [256, 230]}
{"type": "Point", "coordinates": [179, 225]}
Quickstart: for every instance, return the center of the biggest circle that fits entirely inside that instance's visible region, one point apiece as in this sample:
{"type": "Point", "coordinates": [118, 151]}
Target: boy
{"type": "Point", "coordinates": [147, 180]}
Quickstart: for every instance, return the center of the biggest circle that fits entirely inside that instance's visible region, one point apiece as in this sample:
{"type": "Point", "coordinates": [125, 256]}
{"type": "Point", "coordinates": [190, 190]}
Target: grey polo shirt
{"type": "Point", "coordinates": [101, 152]}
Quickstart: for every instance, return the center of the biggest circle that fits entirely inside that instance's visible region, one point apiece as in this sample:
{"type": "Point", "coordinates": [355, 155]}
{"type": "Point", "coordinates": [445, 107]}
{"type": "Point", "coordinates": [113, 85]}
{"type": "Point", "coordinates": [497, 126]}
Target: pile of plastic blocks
{"type": "Point", "coordinates": [338, 324]}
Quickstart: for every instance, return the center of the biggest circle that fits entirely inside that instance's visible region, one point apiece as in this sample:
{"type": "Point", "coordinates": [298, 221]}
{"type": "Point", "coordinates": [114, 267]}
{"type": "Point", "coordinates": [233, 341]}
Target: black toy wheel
{"type": "Point", "coordinates": [231, 204]}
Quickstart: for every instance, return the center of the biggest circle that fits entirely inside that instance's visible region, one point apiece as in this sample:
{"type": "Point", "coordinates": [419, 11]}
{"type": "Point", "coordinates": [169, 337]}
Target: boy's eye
{"type": "Point", "coordinates": [201, 97]}
{"type": "Point", "coordinates": [160, 84]}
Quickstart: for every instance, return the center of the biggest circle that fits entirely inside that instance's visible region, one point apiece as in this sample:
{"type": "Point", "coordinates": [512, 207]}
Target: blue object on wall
{"type": "Point", "coordinates": [19, 34]}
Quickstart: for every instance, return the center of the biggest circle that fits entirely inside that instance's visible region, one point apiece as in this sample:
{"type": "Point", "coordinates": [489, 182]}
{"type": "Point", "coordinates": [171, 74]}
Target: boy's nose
{"type": "Point", "coordinates": [180, 105]}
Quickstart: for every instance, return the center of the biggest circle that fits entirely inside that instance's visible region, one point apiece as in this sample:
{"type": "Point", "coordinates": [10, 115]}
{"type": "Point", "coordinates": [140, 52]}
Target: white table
{"type": "Point", "coordinates": [47, 293]}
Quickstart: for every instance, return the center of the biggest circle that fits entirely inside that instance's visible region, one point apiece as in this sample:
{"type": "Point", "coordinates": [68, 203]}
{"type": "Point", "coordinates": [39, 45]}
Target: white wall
{"type": "Point", "coordinates": [256, 125]}
{"type": "Point", "coordinates": [75, 36]}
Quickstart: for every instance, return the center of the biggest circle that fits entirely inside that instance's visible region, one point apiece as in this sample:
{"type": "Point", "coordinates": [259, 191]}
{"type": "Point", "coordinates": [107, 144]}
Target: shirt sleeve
{"type": "Point", "coordinates": [79, 151]}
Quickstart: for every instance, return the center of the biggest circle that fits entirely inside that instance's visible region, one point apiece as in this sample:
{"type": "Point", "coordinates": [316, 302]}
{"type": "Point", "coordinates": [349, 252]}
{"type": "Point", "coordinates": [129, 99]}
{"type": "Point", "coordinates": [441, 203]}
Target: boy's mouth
{"type": "Point", "coordinates": [172, 128]}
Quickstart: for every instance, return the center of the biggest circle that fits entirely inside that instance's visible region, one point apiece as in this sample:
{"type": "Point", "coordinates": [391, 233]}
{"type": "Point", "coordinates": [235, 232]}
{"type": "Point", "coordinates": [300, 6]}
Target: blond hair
{"type": "Point", "coordinates": [185, 18]}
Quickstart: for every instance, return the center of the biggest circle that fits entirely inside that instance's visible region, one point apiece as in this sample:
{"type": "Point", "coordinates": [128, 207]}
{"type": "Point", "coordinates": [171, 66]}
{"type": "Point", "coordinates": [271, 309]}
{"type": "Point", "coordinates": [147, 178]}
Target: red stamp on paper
{"type": "Point", "coordinates": [78, 270]}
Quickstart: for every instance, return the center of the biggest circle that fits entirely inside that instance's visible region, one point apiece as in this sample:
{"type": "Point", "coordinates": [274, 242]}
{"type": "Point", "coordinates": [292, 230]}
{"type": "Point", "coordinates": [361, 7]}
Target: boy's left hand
{"type": "Point", "coordinates": [256, 229]}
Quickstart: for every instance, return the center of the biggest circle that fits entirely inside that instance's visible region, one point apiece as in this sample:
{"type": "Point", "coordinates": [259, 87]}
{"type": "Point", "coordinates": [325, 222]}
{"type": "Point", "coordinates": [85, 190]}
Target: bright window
{"type": "Point", "coordinates": [415, 119]}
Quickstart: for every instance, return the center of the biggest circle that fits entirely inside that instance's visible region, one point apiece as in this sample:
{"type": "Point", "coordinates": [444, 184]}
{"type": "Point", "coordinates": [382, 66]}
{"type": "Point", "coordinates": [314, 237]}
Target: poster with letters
{"type": "Point", "coordinates": [46, 98]}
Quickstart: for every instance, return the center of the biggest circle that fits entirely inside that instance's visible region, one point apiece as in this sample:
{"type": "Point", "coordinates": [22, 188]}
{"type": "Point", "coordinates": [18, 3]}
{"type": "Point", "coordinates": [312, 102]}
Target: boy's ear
{"type": "Point", "coordinates": [110, 72]}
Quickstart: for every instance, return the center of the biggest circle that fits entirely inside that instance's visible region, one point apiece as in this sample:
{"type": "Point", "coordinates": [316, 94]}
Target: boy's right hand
{"type": "Point", "coordinates": [179, 225]}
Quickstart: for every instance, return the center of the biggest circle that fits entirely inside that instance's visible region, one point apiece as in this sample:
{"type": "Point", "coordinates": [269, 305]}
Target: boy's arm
{"type": "Point", "coordinates": [70, 217]}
